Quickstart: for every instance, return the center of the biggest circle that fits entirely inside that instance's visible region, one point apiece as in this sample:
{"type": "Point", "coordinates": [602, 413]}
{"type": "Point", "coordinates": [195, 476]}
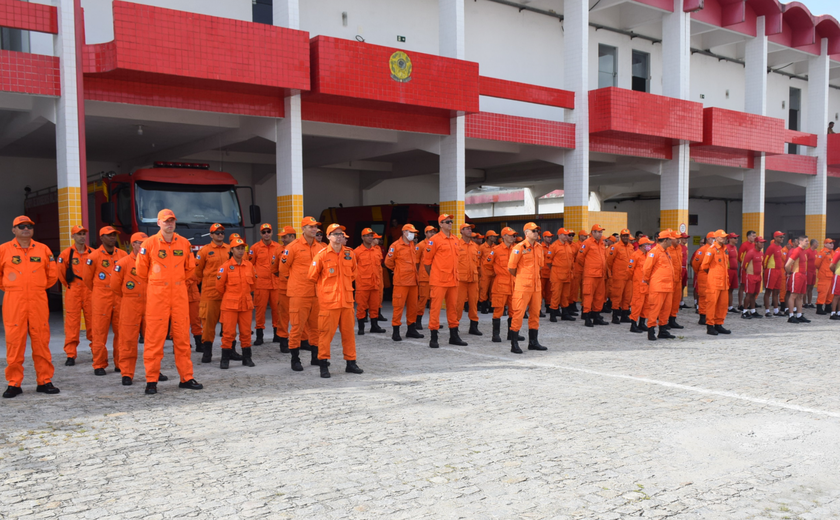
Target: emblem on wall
{"type": "Point", "coordinates": [400, 67]}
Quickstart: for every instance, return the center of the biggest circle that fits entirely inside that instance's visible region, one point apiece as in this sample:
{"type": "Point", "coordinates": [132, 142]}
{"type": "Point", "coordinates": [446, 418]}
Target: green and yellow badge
{"type": "Point", "coordinates": [400, 67]}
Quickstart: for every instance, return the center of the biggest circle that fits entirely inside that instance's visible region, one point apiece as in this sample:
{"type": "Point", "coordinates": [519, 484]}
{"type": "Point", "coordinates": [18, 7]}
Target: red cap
{"type": "Point", "coordinates": [333, 227]}
{"type": "Point", "coordinates": [732, 235]}
{"type": "Point", "coordinates": [444, 216]}
{"type": "Point", "coordinates": [76, 229]}
{"type": "Point", "coordinates": [778, 234]}
{"type": "Point", "coordinates": [684, 235]}
{"type": "Point", "coordinates": [760, 239]}
{"type": "Point", "coordinates": [530, 226]}
{"type": "Point", "coordinates": [166, 214]}
{"type": "Point", "coordinates": [216, 227]}
{"type": "Point", "coordinates": [107, 230]}
{"type": "Point", "coordinates": [288, 230]}
{"type": "Point", "coordinates": [309, 221]}
{"type": "Point", "coordinates": [139, 237]}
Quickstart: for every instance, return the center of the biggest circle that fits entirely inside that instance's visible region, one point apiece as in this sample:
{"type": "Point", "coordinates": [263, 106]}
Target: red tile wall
{"type": "Point", "coordinates": [30, 17]}
{"type": "Point", "coordinates": [640, 113]}
{"type": "Point", "coordinates": [342, 111]}
{"type": "Point", "coordinates": [833, 171]}
{"type": "Point", "coordinates": [500, 88]}
{"type": "Point", "coordinates": [722, 156]}
{"type": "Point", "coordinates": [833, 149]}
{"type": "Point", "coordinates": [803, 164]}
{"type": "Point", "coordinates": [361, 70]}
{"type": "Point", "coordinates": [514, 129]}
{"type": "Point", "coordinates": [29, 73]}
{"type": "Point", "coordinates": [620, 143]}
{"type": "Point", "coordinates": [742, 131]}
{"type": "Point", "coordinates": [802, 138]}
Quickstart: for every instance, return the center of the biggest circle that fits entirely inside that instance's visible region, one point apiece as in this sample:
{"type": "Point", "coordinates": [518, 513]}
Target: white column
{"type": "Point", "coordinates": [817, 123]}
{"type": "Point", "coordinates": [752, 213]}
{"type": "Point", "coordinates": [452, 147]}
{"type": "Point", "coordinates": [576, 79]}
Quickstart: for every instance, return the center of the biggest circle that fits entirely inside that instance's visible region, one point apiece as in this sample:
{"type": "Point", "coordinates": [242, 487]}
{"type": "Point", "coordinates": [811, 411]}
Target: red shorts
{"type": "Point", "coordinates": [796, 283]}
{"type": "Point", "coordinates": [733, 278]}
{"type": "Point", "coordinates": [773, 280]}
{"type": "Point", "coordinates": [752, 284]}
{"type": "Point", "coordinates": [812, 278]}
{"type": "Point", "coordinates": [835, 286]}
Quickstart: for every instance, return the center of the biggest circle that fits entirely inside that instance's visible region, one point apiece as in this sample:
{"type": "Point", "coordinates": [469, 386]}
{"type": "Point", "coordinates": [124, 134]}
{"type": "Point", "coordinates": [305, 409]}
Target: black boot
{"type": "Point", "coordinates": [514, 342]}
{"type": "Point", "coordinates": [259, 340]}
{"type": "Point", "coordinates": [497, 327]}
{"type": "Point", "coordinates": [702, 320]}
{"type": "Point", "coordinates": [533, 342]}
{"type": "Point", "coordinates": [664, 334]}
{"type": "Point", "coordinates": [313, 357]}
{"type": "Point", "coordinates": [518, 337]}
{"type": "Point", "coordinates": [607, 306]}
{"type": "Point", "coordinates": [224, 364]}
{"type": "Point", "coordinates": [276, 339]}
{"type": "Point", "coordinates": [642, 325]}
{"type": "Point", "coordinates": [616, 318]}
{"type": "Point", "coordinates": [246, 357]}
{"type": "Point", "coordinates": [234, 355]}
{"type": "Point", "coordinates": [542, 314]}
{"type": "Point", "coordinates": [588, 317]}
{"type": "Point", "coordinates": [325, 365]}
{"type": "Point", "coordinates": [433, 343]}
{"type": "Point", "coordinates": [396, 335]}
{"type": "Point", "coordinates": [598, 319]}
{"type": "Point", "coordinates": [573, 310]}
{"type": "Point", "coordinates": [199, 346]}
{"type": "Point", "coordinates": [474, 329]}
{"type": "Point", "coordinates": [412, 332]}
{"type": "Point", "coordinates": [721, 330]}
{"type": "Point", "coordinates": [296, 365]}
{"type": "Point", "coordinates": [419, 323]}
{"type": "Point", "coordinates": [455, 338]}
{"type": "Point", "coordinates": [374, 326]}
{"type": "Point", "coordinates": [672, 323]}
{"type": "Point", "coordinates": [361, 327]}
{"type": "Point", "coordinates": [625, 317]}
{"type": "Point", "coordinates": [553, 315]}
{"type": "Point", "coordinates": [567, 315]}
{"type": "Point", "coordinates": [711, 331]}
{"type": "Point", "coordinates": [207, 352]}
{"type": "Point", "coordinates": [353, 368]}
{"type": "Point", "coordinates": [284, 345]}
{"type": "Point", "coordinates": [304, 345]}
{"type": "Point", "coordinates": [634, 328]}
{"type": "Point", "coordinates": [381, 318]}
{"type": "Point", "coordinates": [821, 309]}
{"type": "Point", "coordinates": [652, 333]}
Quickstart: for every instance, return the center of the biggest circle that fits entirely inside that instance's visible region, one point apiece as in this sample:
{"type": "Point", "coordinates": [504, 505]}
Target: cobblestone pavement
{"type": "Point", "coordinates": [604, 425]}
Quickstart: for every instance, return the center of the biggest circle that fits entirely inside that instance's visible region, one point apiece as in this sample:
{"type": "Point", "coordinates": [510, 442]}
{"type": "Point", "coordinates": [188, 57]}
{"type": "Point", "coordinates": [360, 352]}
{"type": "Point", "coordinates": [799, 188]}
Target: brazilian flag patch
{"type": "Point", "coordinates": [161, 254]}
{"type": "Point", "coordinates": [178, 252]}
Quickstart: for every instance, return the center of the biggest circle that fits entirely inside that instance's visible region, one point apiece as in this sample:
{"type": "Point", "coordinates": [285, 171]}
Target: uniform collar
{"type": "Point", "coordinates": [17, 244]}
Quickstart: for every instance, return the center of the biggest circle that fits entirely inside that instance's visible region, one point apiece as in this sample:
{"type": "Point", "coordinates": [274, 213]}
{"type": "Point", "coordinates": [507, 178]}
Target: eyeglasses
{"type": "Point", "coordinates": [264, 231]}
{"type": "Point", "coordinates": [446, 222]}
{"type": "Point", "coordinates": [217, 233]}
{"type": "Point", "coordinates": [26, 226]}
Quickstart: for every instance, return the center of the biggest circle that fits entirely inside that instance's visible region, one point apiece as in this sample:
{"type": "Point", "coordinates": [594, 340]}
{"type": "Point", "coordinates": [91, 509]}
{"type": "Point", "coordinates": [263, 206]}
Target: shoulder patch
{"type": "Point", "coordinates": [221, 269]}
{"type": "Point", "coordinates": [198, 257]}
{"type": "Point", "coordinates": [60, 260]}
{"type": "Point", "coordinates": [89, 262]}
{"type": "Point", "coordinates": [117, 268]}
{"type": "Point", "coordinates": [516, 251]}
{"type": "Point", "coordinates": [651, 255]}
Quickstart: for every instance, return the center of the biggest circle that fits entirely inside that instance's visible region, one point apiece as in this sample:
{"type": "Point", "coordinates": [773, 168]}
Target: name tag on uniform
{"type": "Point", "coordinates": [178, 252]}
{"type": "Point", "coordinates": [35, 259]}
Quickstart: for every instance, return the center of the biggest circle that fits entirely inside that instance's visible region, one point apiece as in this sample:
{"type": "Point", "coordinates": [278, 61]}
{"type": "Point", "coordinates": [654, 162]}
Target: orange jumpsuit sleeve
{"type": "Point", "coordinates": [612, 254]}
{"type": "Point", "coordinates": [117, 279]}
{"type": "Point", "coordinates": [389, 259]}
{"type": "Point", "coordinates": [189, 266]}
{"type": "Point", "coordinates": [52, 270]}
{"type": "Point", "coordinates": [286, 260]}
{"type": "Point", "coordinates": [316, 266]}
{"type": "Point", "coordinates": [64, 260]}
{"type": "Point", "coordinates": [202, 261]}
{"type": "Point", "coordinates": [707, 261]}
{"type": "Point", "coordinates": [221, 280]}
{"type": "Point", "coordinates": [89, 269]}
{"type": "Point", "coordinates": [489, 263]}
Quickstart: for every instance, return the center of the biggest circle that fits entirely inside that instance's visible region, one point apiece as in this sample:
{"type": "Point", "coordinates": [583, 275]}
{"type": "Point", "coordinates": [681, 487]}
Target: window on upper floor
{"type": "Point", "coordinates": [641, 71]}
{"type": "Point", "coordinates": [14, 40]}
{"type": "Point", "coordinates": [263, 11]}
{"type": "Point", "coordinates": [794, 109]}
{"type": "Point", "coordinates": [607, 66]}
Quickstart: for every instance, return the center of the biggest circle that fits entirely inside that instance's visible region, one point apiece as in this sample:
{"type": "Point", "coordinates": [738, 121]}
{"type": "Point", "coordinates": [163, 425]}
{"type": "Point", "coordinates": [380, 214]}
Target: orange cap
{"type": "Point", "coordinates": [346, 235]}
{"type": "Point", "coordinates": [674, 234]}
{"type": "Point", "coordinates": [645, 240]}
{"type": "Point", "coordinates": [377, 235]}
{"type": "Point", "coordinates": [76, 229]}
{"type": "Point", "coordinates": [721, 234]}
{"type": "Point", "coordinates": [547, 234]}
{"type": "Point", "coordinates": [23, 219]}
{"type": "Point", "coordinates": [664, 234]}
{"type": "Point", "coordinates": [216, 227]}
{"type": "Point", "coordinates": [444, 216]}
{"type": "Point", "coordinates": [429, 228]}
{"type": "Point", "coordinates": [710, 234]}
{"type": "Point", "coordinates": [265, 226]}
{"type": "Point", "coordinates": [166, 214]}
{"type": "Point", "coordinates": [309, 221]}
{"type": "Point", "coordinates": [107, 230]}
{"type": "Point", "coordinates": [235, 235]}
{"type": "Point", "coordinates": [333, 227]}
{"type": "Point", "coordinates": [491, 233]}
{"type": "Point", "coordinates": [829, 241]}
{"type": "Point", "coordinates": [366, 231]}
{"type": "Point", "coordinates": [477, 235]}
{"type": "Point", "coordinates": [624, 232]}
{"type": "Point", "coordinates": [562, 231]}
{"type": "Point", "coordinates": [583, 233]}
{"type": "Point", "coordinates": [410, 228]}
{"type": "Point", "coordinates": [288, 230]}
{"type": "Point", "coordinates": [530, 226]}
{"type": "Point", "coordinates": [508, 231]}
{"type": "Point", "coordinates": [236, 242]}
{"type": "Point", "coordinates": [465, 225]}
{"type": "Point", "coordinates": [597, 227]}
{"type": "Point", "coordinates": [139, 237]}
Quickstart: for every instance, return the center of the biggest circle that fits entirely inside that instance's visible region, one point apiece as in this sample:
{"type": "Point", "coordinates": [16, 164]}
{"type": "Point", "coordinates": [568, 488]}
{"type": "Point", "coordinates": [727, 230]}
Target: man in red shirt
{"type": "Point", "coordinates": [773, 277]}
{"type": "Point", "coordinates": [812, 274]}
{"type": "Point", "coordinates": [732, 251]}
{"type": "Point", "coordinates": [751, 264]}
{"type": "Point", "coordinates": [797, 267]}
{"type": "Point", "coordinates": [746, 246]}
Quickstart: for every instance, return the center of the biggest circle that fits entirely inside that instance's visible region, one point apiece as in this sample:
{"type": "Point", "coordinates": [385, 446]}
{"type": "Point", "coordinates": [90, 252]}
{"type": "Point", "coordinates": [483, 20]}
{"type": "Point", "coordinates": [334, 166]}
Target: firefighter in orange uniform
{"type": "Point", "coordinates": [281, 332]}
{"type": "Point", "coordinates": [265, 255]}
{"type": "Point", "coordinates": [70, 267]}
{"type": "Point", "coordinates": [675, 251]}
{"type": "Point", "coordinates": [423, 289]}
{"type": "Point", "coordinates": [194, 296]}
{"type": "Point", "coordinates": [525, 263]}
{"type": "Point", "coordinates": [560, 259]}
{"type": "Point", "coordinates": [368, 277]}
{"type": "Point", "coordinates": [716, 266]}
{"type": "Point", "coordinates": [333, 270]}
{"type": "Point", "coordinates": [441, 263]}
{"type": "Point", "coordinates": [383, 273]}
{"type": "Point", "coordinates": [545, 273]}
{"type": "Point", "coordinates": [502, 290]}
{"type": "Point", "coordinates": [485, 280]}
{"type": "Point", "coordinates": [468, 255]}
{"type": "Point", "coordinates": [577, 274]}
{"type": "Point", "coordinates": [592, 258]}
{"type": "Point", "coordinates": [700, 276]}
{"type": "Point", "coordinates": [621, 281]}
{"type": "Point", "coordinates": [659, 277]}
{"type": "Point", "coordinates": [639, 305]}
{"type": "Point", "coordinates": [825, 277]}
{"type": "Point", "coordinates": [27, 270]}
{"type": "Point", "coordinates": [165, 263]}
{"type": "Point", "coordinates": [303, 304]}
{"type": "Point", "coordinates": [235, 282]}
{"type": "Point", "coordinates": [210, 259]}
{"type": "Point", "coordinates": [402, 259]}
{"type": "Point", "coordinates": [98, 275]}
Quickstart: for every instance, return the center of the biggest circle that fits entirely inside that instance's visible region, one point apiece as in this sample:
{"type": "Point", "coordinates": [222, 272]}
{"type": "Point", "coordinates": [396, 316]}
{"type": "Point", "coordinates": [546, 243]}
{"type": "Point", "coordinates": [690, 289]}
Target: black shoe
{"type": "Point", "coordinates": [234, 355]}
{"type": "Point", "coordinates": [224, 364]}
{"type": "Point", "coordinates": [259, 340]}
{"type": "Point", "coordinates": [412, 332]}
{"type": "Point", "coordinates": [70, 362]}
{"type": "Point", "coordinates": [151, 388]}
{"type": "Point", "coordinates": [192, 384]}
{"type": "Point", "coordinates": [374, 326]}
{"type": "Point", "coordinates": [607, 306]}
{"type": "Point", "coordinates": [117, 370]}
{"type": "Point", "coordinates": [142, 340]}
{"type": "Point", "coordinates": [325, 365]}
{"type": "Point", "coordinates": [664, 334]}
{"type": "Point", "coordinates": [834, 317]}
{"type": "Point", "coordinates": [625, 317]}
{"type": "Point", "coordinates": [12, 391]}
{"type": "Point", "coordinates": [634, 328]}
{"type": "Point", "coordinates": [821, 309]}
{"type": "Point", "coordinates": [780, 314]}
{"type": "Point", "coordinates": [276, 338]}
{"type": "Point", "coordinates": [598, 320]}
{"type": "Point", "coordinates": [99, 372]}
{"type": "Point", "coordinates": [533, 342]}
{"type": "Point", "coordinates": [455, 338]}
{"type": "Point", "coordinates": [702, 320]}
{"type": "Point", "coordinates": [652, 333]}
{"type": "Point", "coordinates": [313, 357]}
{"type": "Point", "coordinates": [296, 365]}
{"type": "Point", "coordinates": [711, 330]}
{"type": "Point", "coordinates": [642, 325]}
{"type": "Point", "coordinates": [721, 330]}
{"type": "Point", "coordinates": [672, 323]}
{"type": "Point", "coordinates": [199, 346]}
{"type": "Point", "coordinates": [433, 343]}
{"type": "Point", "coordinates": [246, 357]}
{"type": "Point", "coordinates": [474, 329]}
{"type": "Point", "coordinates": [126, 381]}
{"type": "Point", "coordinates": [361, 323]}
{"type": "Point", "coordinates": [567, 315]}
{"type": "Point", "coordinates": [803, 319]}
{"type": "Point", "coordinates": [419, 323]}
{"type": "Point", "coordinates": [542, 314]}
{"type": "Point", "coordinates": [746, 316]}
{"type": "Point", "coordinates": [616, 316]}
{"type": "Point", "coordinates": [162, 377]}
{"type": "Point", "coordinates": [497, 327]}
{"type": "Point", "coordinates": [395, 336]}
{"type": "Point", "coordinates": [284, 345]}
{"type": "Point", "coordinates": [353, 368]}
{"type": "Point", "coordinates": [514, 343]}
{"type": "Point", "coordinates": [588, 317]}
{"type": "Point", "coordinates": [755, 315]}
{"type": "Point", "coordinates": [573, 310]}
{"type": "Point", "coordinates": [207, 352]}
{"type": "Point", "coordinates": [740, 307]}
{"type": "Point", "coordinates": [552, 313]}
{"type": "Point", "coordinates": [381, 318]}
{"type": "Point", "coordinates": [733, 310]}
{"type": "Point", "coordinates": [47, 388]}
{"type": "Point", "coordinates": [793, 319]}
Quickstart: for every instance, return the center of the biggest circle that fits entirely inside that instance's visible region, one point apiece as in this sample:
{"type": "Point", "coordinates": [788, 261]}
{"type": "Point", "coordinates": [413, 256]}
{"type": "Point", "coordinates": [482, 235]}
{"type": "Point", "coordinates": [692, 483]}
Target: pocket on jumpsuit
{"type": "Point", "coordinates": [587, 286]}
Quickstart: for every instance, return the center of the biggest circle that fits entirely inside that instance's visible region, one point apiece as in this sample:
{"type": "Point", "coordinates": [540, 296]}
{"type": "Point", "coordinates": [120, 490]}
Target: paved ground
{"type": "Point", "coordinates": [603, 425]}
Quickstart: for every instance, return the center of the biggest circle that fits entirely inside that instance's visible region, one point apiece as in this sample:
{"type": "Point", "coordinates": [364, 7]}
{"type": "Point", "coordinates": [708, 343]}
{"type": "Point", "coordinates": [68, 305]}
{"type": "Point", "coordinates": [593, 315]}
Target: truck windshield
{"type": "Point", "coordinates": [192, 204]}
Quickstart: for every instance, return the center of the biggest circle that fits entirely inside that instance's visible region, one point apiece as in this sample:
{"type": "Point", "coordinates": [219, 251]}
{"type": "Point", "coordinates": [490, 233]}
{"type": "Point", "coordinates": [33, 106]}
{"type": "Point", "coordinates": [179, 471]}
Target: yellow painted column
{"type": "Point", "coordinates": [456, 209]}
{"type": "Point", "coordinates": [576, 218]}
{"type": "Point", "coordinates": [672, 218]}
{"type": "Point", "coordinates": [289, 211]}
{"type": "Point", "coordinates": [752, 222]}
{"type": "Point", "coordinates": [815, 227]}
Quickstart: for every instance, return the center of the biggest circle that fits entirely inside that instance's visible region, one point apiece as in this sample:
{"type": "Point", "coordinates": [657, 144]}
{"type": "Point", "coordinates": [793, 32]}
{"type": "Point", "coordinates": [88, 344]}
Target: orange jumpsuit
{"type": "Point", "coordinates": [195, 307]}
{"type": "Point", "coordinates": [527, 260]}
{"type": "Point", "coordinates": [235, 282]}
{"type": "Point", "coordinates": [502, 290]}
{"type": "Point", "coordinates": [76, 298]}
{"type": "Point", "coordinates": [716, 265]}
{"type": "Point", "coordinates": [485, 280]}
{"type": "Point", "coordinates": [282, 299]}
{"type": "Point", "coordinates": [303, 304]}
{"type": "Point", "coordinates": [621, 280]}
{"type": "Point", "coordinates": [468, 262]}
{"type": "Point", "coordinates": [131, 290]}
{"type": "Point", "coordinates": [210, 258]}
{"type": "Point", "coordinates": [441, 255]}
{"type": "Point", "coordinates": [560, 260]}
{"type": "Point", "coordinates": [26, 274]}
{"type": "Point", "coordinates": [333, 274]}
{"type": "Point", "coordinates": [267, 290]}
{"type": "Point", "coordinates": [676, 260]}
{"type": "Point", "coordinates": [700, 278]}
{"type": "Point", "coordinates": [577, 273]}
{"type": "Point", "coordinates": [368, 277]}
{"type": "Point", "coordinates": [166, 266]}
{"type": "Point", "coordinates": [545, 276]}
{"type": "Point", "coordinates": [423, 289]}
{"type": "Point", "coordinates": [659, 276]}
{"type": "Point", "coordinates": [639, 303]}
{"type": "Point", "coordinates": [824, 276]}
{"type": "Point", "coordinates": [402, 259]}
{"type": "Point", "coordinates": [98, 275]}
{"type": "Point", "coordinates": [592, 258]}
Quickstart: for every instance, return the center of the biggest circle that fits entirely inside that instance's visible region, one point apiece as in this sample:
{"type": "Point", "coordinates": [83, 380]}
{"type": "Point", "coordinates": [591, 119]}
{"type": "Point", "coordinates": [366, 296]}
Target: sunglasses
{"type": "Point", "coordinates": [25, 226]}
{"type": "Point", "coordinates": [264, 231]}
{"type": "Point", "coordinates": [217, 233]}
{"type": "Point", "coordinates": [446, 222]}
